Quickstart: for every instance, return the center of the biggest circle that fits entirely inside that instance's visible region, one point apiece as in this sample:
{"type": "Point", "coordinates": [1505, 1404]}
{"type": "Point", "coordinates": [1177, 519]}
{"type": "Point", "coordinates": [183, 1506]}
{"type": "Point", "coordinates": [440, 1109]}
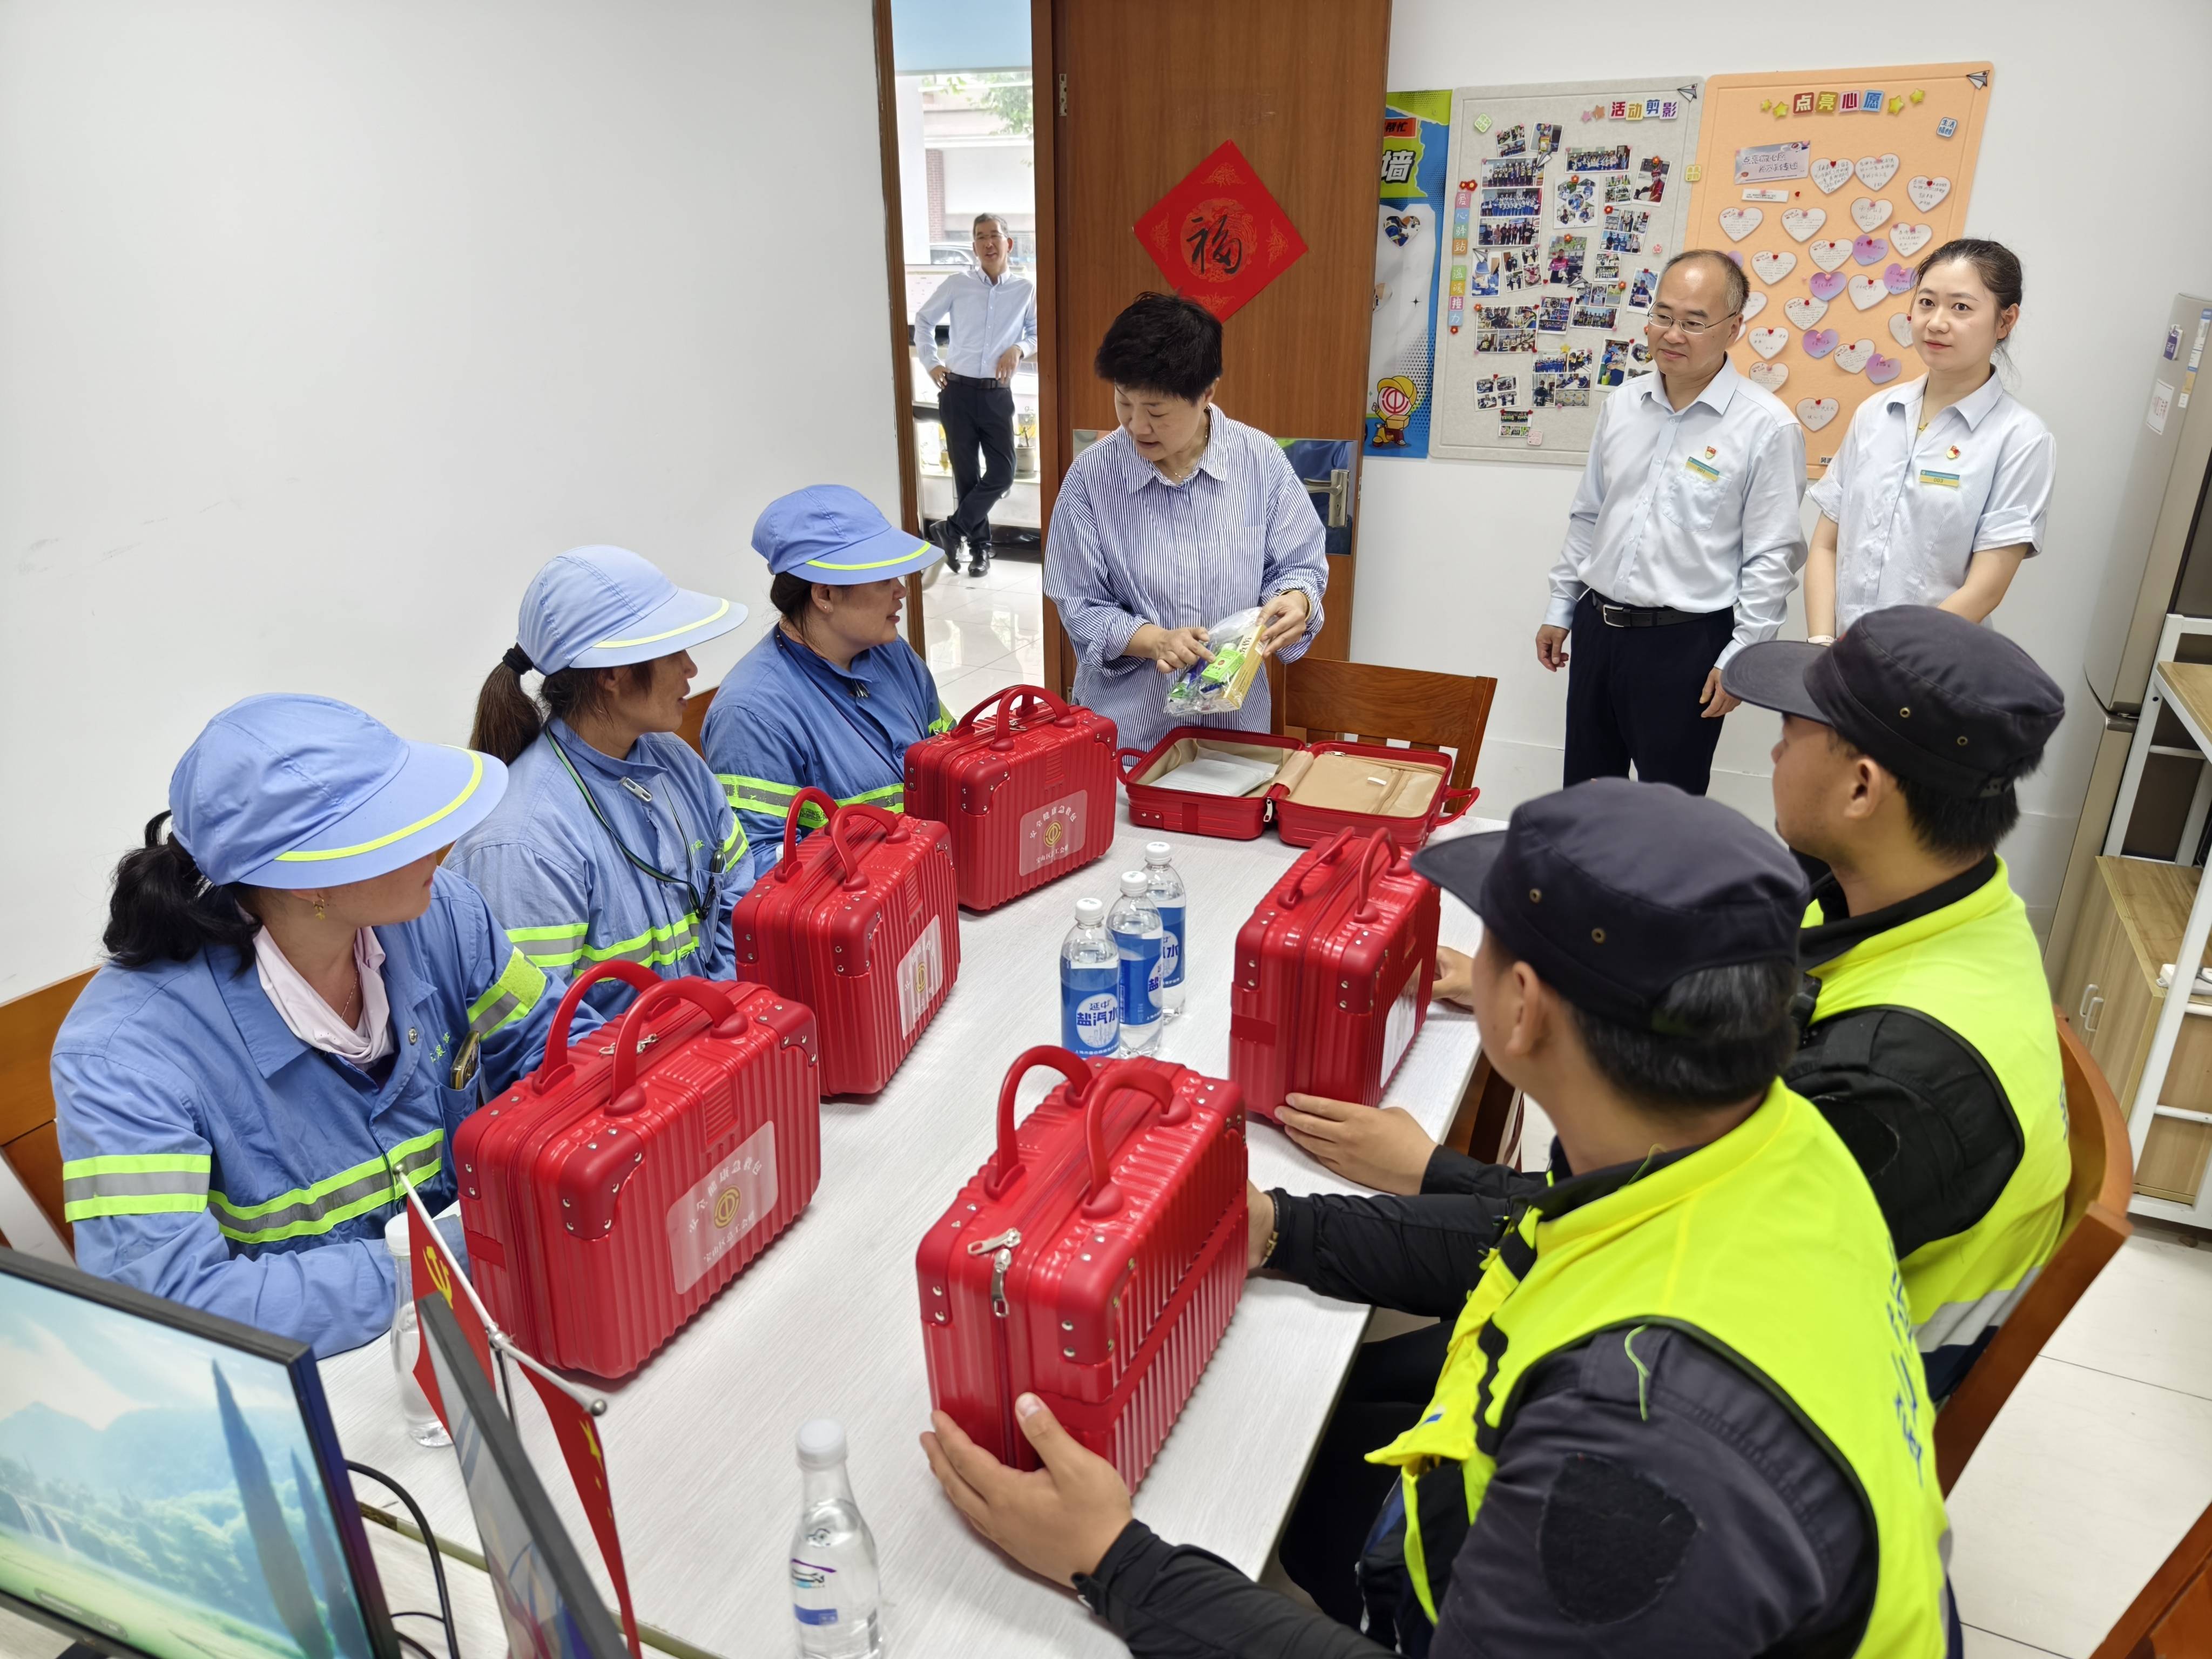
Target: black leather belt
{"type": "Point", "coordinates": [1639, 616]}
{"type": "Point", "coordinates": [971, 379]}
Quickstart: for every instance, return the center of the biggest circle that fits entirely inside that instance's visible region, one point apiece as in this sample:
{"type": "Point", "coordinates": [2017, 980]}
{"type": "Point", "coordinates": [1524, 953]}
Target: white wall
{"type": "Point", "coordinates": [1453, 554]}
{"type": "Point", "coordinates": [324, 325]}
{"type": "Point", "coordinates": [994, 177]}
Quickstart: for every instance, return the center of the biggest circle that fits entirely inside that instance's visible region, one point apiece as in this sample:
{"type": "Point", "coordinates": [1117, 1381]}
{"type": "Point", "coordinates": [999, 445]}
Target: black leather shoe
{"type": "Point", "coordinates": [943, 535]}
{"type": "Point", "coordinates": [979, 561]}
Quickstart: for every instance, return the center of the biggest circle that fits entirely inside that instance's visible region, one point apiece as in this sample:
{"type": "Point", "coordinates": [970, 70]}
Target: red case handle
{"type": "Point", "coordinates": [895, 829]}
{"type": "Point", "coordinates": [1090, 1095]}
{"type": "Point", "coordinates": [1106, 1197]}
{"type": "Point", "coordinates": [1467, 799]}
{"type": "Point", "coordinates": [1033, 693]}
{"type": "Point", "coordinates": [557, 1068]}
{"type": "Point", "coordinates": [1006, 1161]}
{"type": "Point", "coordinates": [727, 1021]}
{"type": "Point", "coordinates": [1363, 908]}
{"type": "Point", "coordinates": [1290, 895]}
{"type": "Point", "coordinates": [1124, 761]}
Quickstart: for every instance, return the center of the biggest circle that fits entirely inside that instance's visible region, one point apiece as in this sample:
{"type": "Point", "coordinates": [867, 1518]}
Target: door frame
{"type": "Point", "coordinates": [902, 325]}
{"type": "Point", "coordinates": [1052, 440]}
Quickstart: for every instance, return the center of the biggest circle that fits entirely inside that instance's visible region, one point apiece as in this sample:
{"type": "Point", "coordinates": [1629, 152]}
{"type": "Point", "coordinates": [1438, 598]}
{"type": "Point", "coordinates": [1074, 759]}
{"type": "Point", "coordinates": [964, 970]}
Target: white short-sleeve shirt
{"type": "Point", "coordinates": [1912, 507]}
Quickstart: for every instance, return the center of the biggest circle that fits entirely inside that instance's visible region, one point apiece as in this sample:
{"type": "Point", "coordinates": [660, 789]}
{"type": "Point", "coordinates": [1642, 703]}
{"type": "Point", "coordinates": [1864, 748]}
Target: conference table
{"type": "Point", "coordinates": [699, 1443]}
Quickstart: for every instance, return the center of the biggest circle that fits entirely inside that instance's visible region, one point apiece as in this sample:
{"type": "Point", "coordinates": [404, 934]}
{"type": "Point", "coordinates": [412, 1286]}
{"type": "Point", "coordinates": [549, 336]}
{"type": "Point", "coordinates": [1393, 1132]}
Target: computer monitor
{"type": "Point", "coordinates": [170, 1485]}
{"type": "Point", "coordinates": [547, 1599]}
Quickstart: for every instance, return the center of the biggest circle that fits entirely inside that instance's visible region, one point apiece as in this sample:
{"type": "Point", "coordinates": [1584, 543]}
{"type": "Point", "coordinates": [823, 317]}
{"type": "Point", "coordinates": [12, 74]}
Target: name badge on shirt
{"type": "Point", "coordinates": [1699, 469]}
{"type": "Point", "coordinates": [1938, 480]}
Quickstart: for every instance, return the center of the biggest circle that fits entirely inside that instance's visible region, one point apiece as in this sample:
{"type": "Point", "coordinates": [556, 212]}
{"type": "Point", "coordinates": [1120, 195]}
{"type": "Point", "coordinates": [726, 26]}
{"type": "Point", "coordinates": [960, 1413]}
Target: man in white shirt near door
{"type": "Point", "coordinates": [995, 326]}
{"type": "Point", "coordinates": [1683, 542]}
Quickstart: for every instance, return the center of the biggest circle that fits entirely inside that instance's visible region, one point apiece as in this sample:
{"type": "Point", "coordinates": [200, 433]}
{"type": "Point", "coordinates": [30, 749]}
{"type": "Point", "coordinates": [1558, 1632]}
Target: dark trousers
{"type": "Point", "coordinates": [1632, 698]}
{"type": "Point", "coordinates": [1391, 1383]}
{"type": "Point", "coordinates": [977, 416]}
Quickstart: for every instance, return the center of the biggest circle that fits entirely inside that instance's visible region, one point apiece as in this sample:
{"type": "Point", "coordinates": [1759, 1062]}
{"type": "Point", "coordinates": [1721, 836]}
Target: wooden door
{"type": "Point", "coordinates": [1137, 93]}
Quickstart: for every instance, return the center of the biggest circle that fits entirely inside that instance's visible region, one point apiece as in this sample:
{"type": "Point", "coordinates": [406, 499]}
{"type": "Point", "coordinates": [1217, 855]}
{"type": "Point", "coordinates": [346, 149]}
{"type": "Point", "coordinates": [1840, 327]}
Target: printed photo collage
{"type": "Point", "coordinates": [1560, 268]}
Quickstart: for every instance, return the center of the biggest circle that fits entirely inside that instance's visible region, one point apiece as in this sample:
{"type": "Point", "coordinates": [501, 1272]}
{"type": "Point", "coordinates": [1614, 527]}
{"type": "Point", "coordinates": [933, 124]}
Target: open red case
{"type": "Point", "coordinates": [1310, 790]}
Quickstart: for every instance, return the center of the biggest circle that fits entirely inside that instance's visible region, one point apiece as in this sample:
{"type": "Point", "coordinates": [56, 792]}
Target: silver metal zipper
{"type": "Point", "coordinates": [1001, 1251]}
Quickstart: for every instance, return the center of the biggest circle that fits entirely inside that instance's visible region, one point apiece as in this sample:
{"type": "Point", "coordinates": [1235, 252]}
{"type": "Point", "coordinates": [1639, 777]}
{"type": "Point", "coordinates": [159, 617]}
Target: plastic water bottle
{"type": "Point", "coordinates": [1135, 924]}
{"type": "Point", "coordinates": [1169, 899]}
{"type": "Point", "coordinates": [834, 1590]}
{"type": "Point", "coordinates": [1090, 983]}
{"type": "Point", "coordinates": [422, 1423]}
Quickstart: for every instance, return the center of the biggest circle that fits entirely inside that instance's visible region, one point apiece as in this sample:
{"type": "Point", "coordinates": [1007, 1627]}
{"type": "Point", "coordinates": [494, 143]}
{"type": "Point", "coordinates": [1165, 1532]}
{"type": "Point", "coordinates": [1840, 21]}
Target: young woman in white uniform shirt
{"type": "Point", "coordinates": [1941, 488]}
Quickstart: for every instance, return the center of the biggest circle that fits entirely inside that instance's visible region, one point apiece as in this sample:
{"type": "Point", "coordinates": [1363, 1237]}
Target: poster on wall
{"type": "Point", "coordinates": [1565, 201]}
{"type": "Point", "coordinates": [1829, 187]}
{"type": "Point", "coordinates": [1409, 213]}
{"type": "Point", "coordinates": [1220, 236]}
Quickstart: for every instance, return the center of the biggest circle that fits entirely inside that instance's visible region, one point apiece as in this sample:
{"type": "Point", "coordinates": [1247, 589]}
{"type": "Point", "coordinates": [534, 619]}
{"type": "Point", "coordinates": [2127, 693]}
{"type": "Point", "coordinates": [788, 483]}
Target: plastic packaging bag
{"type": "Point", "coordinates": [1219, 686]}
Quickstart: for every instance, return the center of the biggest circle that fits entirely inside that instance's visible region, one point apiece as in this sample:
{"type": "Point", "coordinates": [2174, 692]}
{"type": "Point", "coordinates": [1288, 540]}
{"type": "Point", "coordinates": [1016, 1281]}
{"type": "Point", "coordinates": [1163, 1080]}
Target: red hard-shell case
{"type": "Point", "coordinates": [1229, 817]}
{"type": "Point", "coordinates": [1028, 793]}
{"type": "Point", "coordinates": [1094, 1259]}
{"type": "Point", "coordinates": [1333, 973]}
{"type": "Point", "coordinates": [1244, 817]}
{"type": "Point", "coordinates": [859, 921]}
{"type": "Point", "coordinates": [1309, 826]}
{"type": "Point", "coordinates": [609, 1195]}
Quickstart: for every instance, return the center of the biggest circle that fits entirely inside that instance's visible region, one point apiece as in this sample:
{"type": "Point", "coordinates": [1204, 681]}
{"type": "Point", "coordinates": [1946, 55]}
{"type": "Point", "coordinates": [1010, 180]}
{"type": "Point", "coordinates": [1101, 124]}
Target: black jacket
{"type": "Point", "coordinates": [1659, 1504]}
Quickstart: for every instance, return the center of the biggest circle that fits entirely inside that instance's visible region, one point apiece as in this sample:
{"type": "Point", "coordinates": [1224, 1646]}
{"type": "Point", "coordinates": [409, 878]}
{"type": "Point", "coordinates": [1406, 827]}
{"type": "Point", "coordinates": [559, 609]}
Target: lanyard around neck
{"type": "Point", "coordinates": [700, 907]}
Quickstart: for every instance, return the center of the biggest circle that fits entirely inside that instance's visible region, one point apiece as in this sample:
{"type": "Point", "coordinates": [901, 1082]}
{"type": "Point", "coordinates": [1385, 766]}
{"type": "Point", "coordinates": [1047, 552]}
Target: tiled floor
{"type": "Point", "coordinates": [2099, 1463]}
{"type": "Point", "coordinates": [985, 632]}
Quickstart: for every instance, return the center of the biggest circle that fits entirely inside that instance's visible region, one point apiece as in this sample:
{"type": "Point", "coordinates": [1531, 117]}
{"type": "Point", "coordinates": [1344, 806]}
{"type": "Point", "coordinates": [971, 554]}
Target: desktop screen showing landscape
{"type": "Point", "coordinates": [160, 1488]}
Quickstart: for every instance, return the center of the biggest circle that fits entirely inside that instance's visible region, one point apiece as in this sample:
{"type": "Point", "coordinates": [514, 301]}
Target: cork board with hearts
{"type": "Point", "coordinates": [1829, 187]}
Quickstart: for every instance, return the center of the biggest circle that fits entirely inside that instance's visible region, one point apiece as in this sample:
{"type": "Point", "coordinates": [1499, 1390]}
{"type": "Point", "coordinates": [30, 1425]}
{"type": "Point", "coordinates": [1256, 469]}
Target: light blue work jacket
{"type": "Point", "coordinates": [788, 720]}
{"type": "Point", "coordinates": [212, 1157]}
{"type": "Point", "coordinates": [550, 866]}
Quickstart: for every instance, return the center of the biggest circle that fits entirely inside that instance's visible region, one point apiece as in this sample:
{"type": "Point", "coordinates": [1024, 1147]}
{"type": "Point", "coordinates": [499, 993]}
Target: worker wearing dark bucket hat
{"type": "Point", "coordinates": [1931, 1045]}
{"type": "Point", "coordinates": [1706, 1270]}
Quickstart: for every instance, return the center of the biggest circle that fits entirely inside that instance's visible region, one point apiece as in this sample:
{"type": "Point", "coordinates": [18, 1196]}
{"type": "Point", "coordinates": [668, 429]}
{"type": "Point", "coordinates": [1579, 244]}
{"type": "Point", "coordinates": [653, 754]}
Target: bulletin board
{"type": "Point", "coordinates": [1567, 200]}
{"type": "Point", "coordinates": [1829, 187]}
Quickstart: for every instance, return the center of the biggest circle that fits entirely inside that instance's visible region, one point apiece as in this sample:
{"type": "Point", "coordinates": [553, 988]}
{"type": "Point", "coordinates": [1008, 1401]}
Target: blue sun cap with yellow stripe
{"type": "Point", "coordinates": [829, 533]}
{"type": "Point", "coordinates": [296, 792]}
{"type": "Point", "coordinates": [602, 607]}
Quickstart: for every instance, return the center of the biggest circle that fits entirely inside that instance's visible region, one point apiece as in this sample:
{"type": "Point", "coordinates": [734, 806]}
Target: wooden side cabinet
{"type": "Point", "coordinates": [2130, 926]}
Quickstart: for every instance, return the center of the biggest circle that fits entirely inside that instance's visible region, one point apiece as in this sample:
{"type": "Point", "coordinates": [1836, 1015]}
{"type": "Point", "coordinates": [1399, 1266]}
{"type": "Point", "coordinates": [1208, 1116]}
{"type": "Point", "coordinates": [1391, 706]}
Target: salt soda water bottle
{"type": "Point", "coordinates": [1169, 899]}
{"type": "Point", "coordinates": [834, 1591]}
{"type": "Point", "coordinates": [1135, 924]}
{"type": "Point", "coordinates": [1090, 983]}
{"type": "Point", "coordinates": [422, 1424]}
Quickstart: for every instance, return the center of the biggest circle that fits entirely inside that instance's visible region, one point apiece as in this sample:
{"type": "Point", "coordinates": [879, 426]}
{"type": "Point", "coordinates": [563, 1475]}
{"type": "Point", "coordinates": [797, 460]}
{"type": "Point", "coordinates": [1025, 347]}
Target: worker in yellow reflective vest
{"type": "Point", "coordinates": [1929, 1041]}
{"type": "Point", "coordinates": [1931, 1045]}
{"type": "Point", "coordinates": [1681, 1412]}
{"type": "Point", "coordinates": [831, 697]}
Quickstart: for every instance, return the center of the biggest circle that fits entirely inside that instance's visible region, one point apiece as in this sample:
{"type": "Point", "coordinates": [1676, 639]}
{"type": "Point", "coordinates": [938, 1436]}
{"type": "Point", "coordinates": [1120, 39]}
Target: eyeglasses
{"type": "Point", "coordinates": [1662, 323]}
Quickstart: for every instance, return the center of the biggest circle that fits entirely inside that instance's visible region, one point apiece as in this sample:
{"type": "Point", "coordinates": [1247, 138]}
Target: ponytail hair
{"type": "Point", "coordinates": [508, 719]}
{"type": "Point", "coordinates": [163, 910]}
{"type": "Point", "coordinates": [792, 595]}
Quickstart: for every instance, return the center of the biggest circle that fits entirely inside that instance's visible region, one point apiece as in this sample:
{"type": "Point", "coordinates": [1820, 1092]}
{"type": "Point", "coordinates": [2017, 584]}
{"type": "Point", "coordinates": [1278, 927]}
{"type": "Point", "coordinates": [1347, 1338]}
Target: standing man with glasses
{"type": "Point", "coordinates": [995, 326]}
{"type": "Point", "coordinates": [1682, 545]}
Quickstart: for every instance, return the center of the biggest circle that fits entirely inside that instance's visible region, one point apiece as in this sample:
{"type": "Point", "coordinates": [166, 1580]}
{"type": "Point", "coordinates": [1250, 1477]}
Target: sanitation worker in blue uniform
{"type": "Point", "coordinates": [298, 1009]}
{"type": "Point", "coordinates": [832, 697]}
{"type": "Point", "coordinates": [613, 842]}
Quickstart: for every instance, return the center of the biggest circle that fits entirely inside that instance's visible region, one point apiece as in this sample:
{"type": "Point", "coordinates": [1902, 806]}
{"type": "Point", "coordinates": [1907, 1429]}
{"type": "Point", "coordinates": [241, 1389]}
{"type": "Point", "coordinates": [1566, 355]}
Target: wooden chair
{"type": "Point", "coordinates": [2172, 1617]}
{"type": "Point", "coordinates": [29, 1141]}
{"type": "Point", "coordinates": [2096, 1224]}
{"type": "Point", "coordinates": [1365, 703]}
{"type": "Point", "coordinates": [695, 717]}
